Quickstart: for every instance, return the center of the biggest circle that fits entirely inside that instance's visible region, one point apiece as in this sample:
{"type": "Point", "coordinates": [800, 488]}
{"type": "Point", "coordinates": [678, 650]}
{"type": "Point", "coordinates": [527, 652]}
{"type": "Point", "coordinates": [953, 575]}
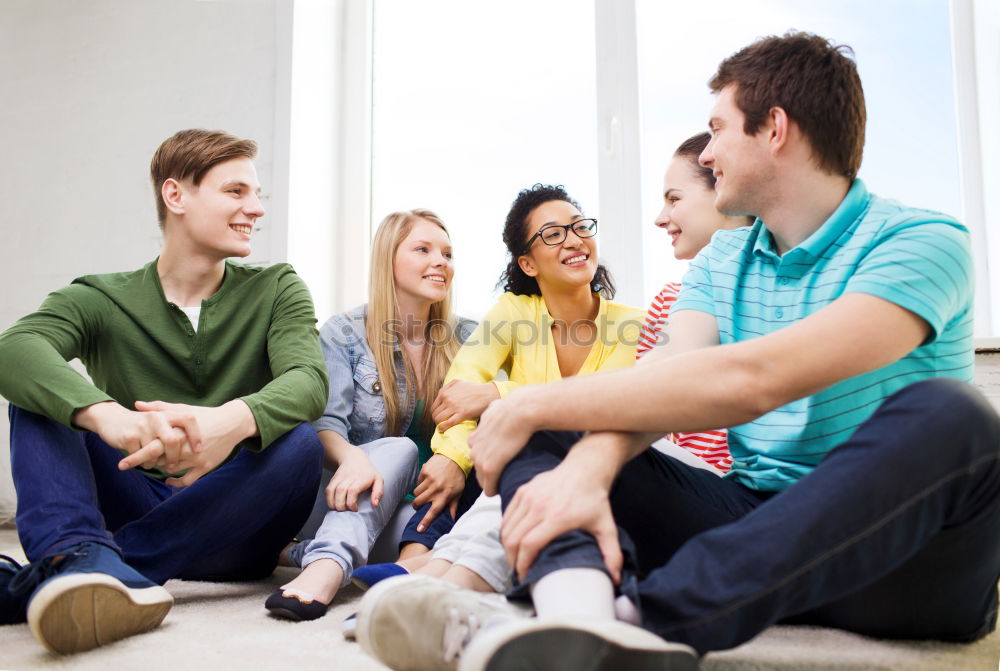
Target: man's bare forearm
{"type": "Point", "coordinates": [604, 453]}
{"type": "Point", "coordinates": [695, 391]}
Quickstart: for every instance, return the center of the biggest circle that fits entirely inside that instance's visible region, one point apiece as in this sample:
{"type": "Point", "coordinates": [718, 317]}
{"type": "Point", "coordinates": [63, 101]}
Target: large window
{"type": "Point", "coordinates": [911, 140]}
{"type": "Point", "coordinates": [472, 102]}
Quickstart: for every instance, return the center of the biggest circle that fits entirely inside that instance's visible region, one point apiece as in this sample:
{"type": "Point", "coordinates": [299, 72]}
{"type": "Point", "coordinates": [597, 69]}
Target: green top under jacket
{"type": "Point", "coordinates": [256, 340]}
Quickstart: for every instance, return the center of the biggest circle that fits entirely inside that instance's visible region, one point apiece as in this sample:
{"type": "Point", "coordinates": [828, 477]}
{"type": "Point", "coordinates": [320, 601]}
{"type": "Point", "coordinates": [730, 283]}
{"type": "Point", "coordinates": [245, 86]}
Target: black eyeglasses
{"type": "Point", "coordinates": [555, 235]}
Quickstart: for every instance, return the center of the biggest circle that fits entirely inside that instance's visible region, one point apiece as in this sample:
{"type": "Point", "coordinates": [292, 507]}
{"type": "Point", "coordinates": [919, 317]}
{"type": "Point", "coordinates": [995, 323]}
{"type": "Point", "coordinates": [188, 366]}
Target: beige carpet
{"type": "Point", "coordinates": [224, 626]}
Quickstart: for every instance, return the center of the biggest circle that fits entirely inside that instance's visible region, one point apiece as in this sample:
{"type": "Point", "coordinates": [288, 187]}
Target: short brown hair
{"type": "Point", "coordinates": [816, 84]}
{"type": "Point", "coordinates": [189, 154]}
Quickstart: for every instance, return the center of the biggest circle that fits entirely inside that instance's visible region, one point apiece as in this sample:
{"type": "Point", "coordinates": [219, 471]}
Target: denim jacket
{"type": "Point", "coordinates": [355, 408]}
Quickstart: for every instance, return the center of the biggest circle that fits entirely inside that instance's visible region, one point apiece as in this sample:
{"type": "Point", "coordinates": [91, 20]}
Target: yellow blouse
{"type": "Point", "coordinates": [516, 337]}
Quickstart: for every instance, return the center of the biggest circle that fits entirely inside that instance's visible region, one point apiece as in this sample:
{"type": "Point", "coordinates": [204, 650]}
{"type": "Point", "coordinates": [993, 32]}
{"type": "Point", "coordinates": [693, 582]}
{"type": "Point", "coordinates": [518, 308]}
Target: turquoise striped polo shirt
{"type": "Point", "coordinates": [917, 259]}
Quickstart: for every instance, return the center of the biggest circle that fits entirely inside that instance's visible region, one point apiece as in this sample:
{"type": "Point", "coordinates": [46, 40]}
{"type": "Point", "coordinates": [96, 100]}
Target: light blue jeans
{"type": "Point", "coordinates": [346, 536]}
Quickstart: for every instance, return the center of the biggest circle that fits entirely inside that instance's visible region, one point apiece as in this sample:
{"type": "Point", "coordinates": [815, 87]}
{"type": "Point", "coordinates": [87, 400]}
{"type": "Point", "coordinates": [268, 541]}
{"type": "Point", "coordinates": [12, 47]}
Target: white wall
{"type": "Point", "coordinates": [90, 89]}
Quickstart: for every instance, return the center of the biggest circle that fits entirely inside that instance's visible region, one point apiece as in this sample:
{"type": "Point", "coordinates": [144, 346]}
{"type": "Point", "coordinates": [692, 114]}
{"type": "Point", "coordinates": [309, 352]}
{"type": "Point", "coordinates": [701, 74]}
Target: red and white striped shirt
{"type": "Point", "coordinates": [710, 446]}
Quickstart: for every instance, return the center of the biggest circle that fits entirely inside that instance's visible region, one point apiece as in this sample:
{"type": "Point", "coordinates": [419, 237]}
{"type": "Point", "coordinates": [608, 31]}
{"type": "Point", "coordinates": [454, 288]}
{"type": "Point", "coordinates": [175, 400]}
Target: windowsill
{"type": "Point", "coordinates": [987, 345]}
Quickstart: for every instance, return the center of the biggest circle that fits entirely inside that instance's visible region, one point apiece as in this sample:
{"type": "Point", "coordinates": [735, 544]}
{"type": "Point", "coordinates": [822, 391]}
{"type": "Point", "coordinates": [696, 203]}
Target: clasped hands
{"type": "Point", "coordinates": [187, 441]}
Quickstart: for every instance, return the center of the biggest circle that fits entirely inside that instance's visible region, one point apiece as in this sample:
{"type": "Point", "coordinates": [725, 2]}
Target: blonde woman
{"type": "Point", "coordinates": [386, 361]}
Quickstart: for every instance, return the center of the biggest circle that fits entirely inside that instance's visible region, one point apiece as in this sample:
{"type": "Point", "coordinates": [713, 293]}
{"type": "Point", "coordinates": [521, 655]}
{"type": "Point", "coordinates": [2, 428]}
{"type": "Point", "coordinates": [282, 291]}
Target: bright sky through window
{"type": "Point", "coordinates": [911, 144]}
{"type": "Point", "coordinates": [474, 101]}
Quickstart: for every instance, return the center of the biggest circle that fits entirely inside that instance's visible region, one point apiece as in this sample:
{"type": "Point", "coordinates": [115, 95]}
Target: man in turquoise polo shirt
{"type": "Point", "coordinates": [187, 454]}
{"type": "Point", "coordinates": [834, 336]}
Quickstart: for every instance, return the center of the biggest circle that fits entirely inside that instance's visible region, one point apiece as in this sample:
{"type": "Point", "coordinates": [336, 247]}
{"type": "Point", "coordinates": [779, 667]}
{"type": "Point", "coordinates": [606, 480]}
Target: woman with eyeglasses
{"type": "Point", "coordinates": [556, 319]}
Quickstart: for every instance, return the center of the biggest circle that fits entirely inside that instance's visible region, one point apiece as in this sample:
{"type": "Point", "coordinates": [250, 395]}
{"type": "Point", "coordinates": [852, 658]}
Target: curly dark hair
{"type": "Point", "coordinates": [515, 236]}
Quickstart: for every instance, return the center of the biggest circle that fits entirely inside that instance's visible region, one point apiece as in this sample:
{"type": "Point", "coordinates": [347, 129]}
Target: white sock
{"type": "Point", "coordinates": [586, 592]}
{"type": "Point", "coordinates": [625, 611]}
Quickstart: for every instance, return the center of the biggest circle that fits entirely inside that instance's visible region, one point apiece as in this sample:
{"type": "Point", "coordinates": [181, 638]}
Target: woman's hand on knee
{"type": "Point", "coordinates": [354, 476]}
{"type": "Point", "coordinates": [440, 483]}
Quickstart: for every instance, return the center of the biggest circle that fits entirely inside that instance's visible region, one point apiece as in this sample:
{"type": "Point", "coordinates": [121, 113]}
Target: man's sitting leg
{"type": "Point", "coordinates": [77, 592]}
{"type": "Point", "coordinates": [569, 579]}
{"type": "Point", "coordinates": [232, 523]}
{"type": "Point", "coordinates": [895, 534]}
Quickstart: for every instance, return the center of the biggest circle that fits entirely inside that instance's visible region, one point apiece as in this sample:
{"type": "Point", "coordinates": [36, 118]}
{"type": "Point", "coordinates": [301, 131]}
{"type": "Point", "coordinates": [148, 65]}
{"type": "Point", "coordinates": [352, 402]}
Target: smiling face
{"type": "Point", "coordinates": [218, 215]}
{"type": "Point", "coordinates": [571, 263]}
{"type": "Point", "coordinates": [738, 161]}
{"type": "Point", "coordinates": [423, 265]}
{"type": "Point", "coordinates": [688, 215]}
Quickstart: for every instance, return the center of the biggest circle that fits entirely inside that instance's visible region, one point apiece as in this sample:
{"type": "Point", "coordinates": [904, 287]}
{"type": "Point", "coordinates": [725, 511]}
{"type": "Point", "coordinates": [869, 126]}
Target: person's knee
{"type": "Point", "coordinates": [298, 452]}
{"type": "Point", "coordinates": [543, 452]}
{"type": "Point", "coordinates": [958, 404]}
{"type": "Point", "coordinates": [305, 438]}
{"type": "Point", "coordinates": [941, 412]}
{"type": "Point", "coordinates": [394, 453]}
{"type": "Point", "coordinates": [24, 422]}
{"type": "Point", "coordinates": [967, 405]}
{"type": "Point", "coordinates": [556, 443]}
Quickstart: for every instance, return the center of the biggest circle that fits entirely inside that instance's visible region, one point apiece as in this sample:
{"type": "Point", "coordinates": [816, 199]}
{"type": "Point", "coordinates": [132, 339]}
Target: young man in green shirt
{"type": "Point", "coordinates": [139, 476]}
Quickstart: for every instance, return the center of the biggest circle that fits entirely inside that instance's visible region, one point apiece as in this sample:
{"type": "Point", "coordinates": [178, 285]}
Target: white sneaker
{"type": "Point", "coordinates": [349, 627]}
{"type": "Point", "coordinates": [562, 644]}
{"type": "Point", "coordinates": [418, 623]}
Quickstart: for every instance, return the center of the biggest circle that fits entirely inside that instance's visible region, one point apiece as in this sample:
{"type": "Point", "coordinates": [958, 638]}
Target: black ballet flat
{"type": "Point", "coordinates": [296, 606]}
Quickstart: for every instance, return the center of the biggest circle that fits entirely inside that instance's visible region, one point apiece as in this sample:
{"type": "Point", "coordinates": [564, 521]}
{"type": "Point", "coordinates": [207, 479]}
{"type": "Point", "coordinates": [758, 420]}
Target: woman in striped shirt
{"type": "Point", "coordinates": [690, 219]}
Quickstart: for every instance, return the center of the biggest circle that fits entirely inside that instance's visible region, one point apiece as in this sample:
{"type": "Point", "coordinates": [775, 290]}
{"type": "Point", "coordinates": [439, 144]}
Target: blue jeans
{"type": "Point", "coordinates": [895, 534]}
{"type": "Point", "coordinates": [230, 524]}
{"type": "Point", "coordinates": [443, 523]}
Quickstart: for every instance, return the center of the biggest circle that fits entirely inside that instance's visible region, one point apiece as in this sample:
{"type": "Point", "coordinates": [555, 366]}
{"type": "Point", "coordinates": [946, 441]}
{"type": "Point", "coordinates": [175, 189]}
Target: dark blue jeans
{"type": "Point", "coordinates": [443, 523]}
{"type": "Point", "coordinates": [231, 524]}
{"type": "Point", "coordinates": [895, 534]}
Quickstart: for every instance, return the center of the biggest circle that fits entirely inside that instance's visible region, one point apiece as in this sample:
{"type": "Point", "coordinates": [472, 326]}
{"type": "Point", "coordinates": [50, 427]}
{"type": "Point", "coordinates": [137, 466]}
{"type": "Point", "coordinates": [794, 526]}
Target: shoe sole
{"type": "Point", "coordinates": [397, 654]}
{"type": "Point", "coordinates": [362, 630]}
{"type": "Point", "coordinates": [604, 646]}
{"type": "Point", "coordinates": [295, 610]}
{"type": "Point", "coordinates": [82, 611]}
{"type": "Point", "coordinates": [285, 614]}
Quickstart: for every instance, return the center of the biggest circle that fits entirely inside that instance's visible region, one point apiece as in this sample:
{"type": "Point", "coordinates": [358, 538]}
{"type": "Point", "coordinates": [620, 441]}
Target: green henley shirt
{"type": "Point", "coordinates": [256, 340]}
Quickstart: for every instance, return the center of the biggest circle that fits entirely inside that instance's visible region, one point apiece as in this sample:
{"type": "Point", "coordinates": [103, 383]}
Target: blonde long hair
{"type": "Point", "coordinates": [383, 314]}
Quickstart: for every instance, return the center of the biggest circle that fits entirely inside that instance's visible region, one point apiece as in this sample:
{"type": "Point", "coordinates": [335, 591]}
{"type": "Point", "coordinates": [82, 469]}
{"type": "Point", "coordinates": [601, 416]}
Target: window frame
{"type": "Point", "coordinates": [975, 35]}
